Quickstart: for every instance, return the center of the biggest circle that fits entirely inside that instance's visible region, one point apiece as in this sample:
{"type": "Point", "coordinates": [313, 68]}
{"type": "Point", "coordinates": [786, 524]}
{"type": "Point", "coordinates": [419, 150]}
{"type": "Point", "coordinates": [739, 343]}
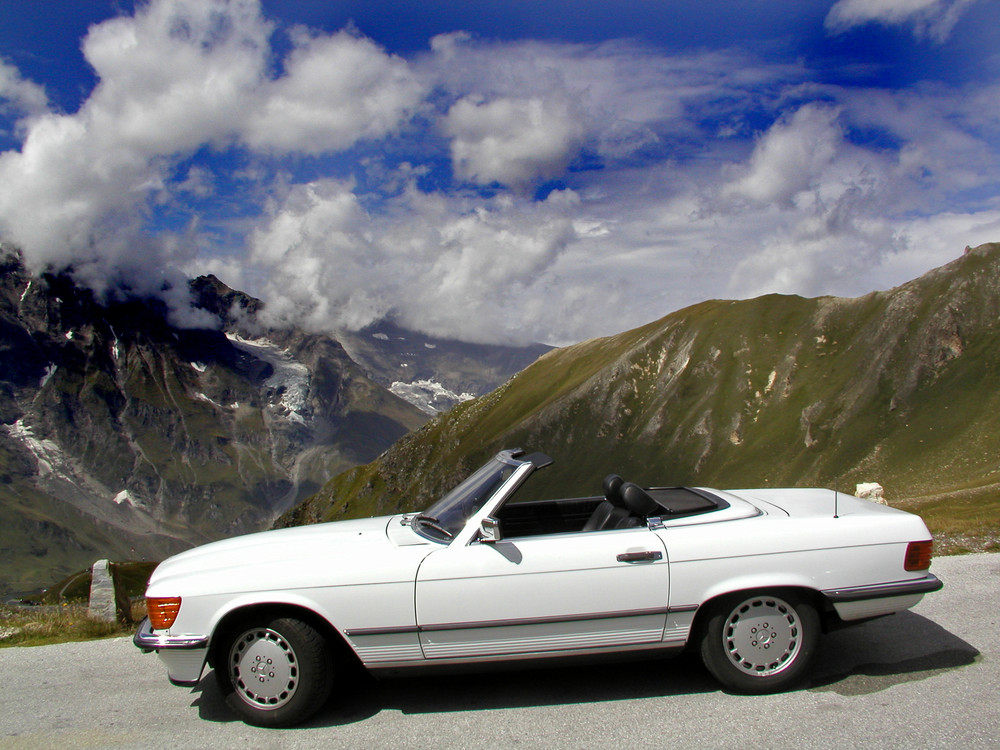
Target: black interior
{"type": "Point", "coordinates": [547, 516]}
{"type": "Point", "coordinates": [573, 514]}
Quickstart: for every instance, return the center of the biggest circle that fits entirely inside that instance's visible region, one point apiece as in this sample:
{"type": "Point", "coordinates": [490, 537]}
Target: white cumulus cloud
{"type": "Point", "coordinates": [790, 157]}
{"type": "Point", "coordinates": [170, 79]}
{"type": "Point", "coordinates": [335, 90]}
{"type": "Point", "coordinates": [312, 169]}
{"type": "Point", "coordinates": [512, 141]}
{"type": "Point", "coordinates": [933, 19]}
{"type": "Point", "coordinates": [445, 267]}
{"type": "Point", "coordinates": [176, 77]}
{"type": "Point", "coordinates": [25, 98]}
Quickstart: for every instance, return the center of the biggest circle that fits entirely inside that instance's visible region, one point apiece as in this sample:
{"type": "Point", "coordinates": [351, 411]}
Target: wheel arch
{"type": "Point", "coordinates": [797, 592]}
{"type": "Point", "coordinates": [231, 619]}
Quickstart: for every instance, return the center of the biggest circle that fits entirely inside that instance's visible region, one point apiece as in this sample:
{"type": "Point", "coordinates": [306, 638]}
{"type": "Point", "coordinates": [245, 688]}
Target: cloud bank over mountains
{"type": "Point", "coordinates": [491, 190]}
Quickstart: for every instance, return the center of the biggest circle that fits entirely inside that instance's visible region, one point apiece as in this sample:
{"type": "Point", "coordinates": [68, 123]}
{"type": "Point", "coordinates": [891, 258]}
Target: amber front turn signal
{"type": "Point", "coordinates": [918, 555]}
{"type": "Point", "coordinates": [162, 610]}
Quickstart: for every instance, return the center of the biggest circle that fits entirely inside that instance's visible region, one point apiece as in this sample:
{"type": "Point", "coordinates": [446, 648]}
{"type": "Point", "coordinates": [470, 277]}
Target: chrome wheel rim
{"type": "Point", "coordinates": [264, 668]}
{"type": "Point", "coordinates": [762, 636]}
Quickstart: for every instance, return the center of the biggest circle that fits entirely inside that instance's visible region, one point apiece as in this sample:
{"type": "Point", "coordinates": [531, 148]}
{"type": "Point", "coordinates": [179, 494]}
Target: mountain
{"type": "Point", "coordinates": [122, 435]}
{"type": "Point", "coordinates": [433, 373]}
{"type": "Point", "coordinates": [125, 436]}
{"type": "Point", "coordinates": [900, 387]}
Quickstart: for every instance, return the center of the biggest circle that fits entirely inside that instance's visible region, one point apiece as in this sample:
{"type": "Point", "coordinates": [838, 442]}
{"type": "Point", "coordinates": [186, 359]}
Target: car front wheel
{"type": "Point", "coordinates": [759, 643]}
{"type": "Point", "coordinates": [275, 672]}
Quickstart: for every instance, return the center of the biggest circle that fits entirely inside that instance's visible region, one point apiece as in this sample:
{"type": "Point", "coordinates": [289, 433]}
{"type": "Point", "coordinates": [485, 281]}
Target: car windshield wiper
{"type": "Point", "coordinates": [433, 523]}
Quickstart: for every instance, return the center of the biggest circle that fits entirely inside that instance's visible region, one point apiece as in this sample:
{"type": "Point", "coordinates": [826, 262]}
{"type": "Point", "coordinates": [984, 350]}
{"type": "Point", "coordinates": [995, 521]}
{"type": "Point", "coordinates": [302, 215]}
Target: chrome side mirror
{"type": "Point", "coordinates": [489, 531]}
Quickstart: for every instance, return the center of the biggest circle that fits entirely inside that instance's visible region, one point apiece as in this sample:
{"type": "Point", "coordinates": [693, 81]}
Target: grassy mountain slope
{"type": "Point", "coordinates": [900, 387]}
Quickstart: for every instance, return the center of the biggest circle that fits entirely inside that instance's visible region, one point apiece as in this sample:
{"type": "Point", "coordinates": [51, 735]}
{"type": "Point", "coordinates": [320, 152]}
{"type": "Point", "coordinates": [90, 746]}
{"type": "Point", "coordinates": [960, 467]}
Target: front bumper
{"type": "Point", "coordinates": [184, 655]}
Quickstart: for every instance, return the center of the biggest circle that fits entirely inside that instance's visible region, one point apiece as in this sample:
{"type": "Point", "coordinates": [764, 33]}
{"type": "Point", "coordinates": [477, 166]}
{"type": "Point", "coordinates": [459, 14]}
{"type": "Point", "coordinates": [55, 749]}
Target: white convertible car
{"type": "Point", "coordinates": [748, 577]}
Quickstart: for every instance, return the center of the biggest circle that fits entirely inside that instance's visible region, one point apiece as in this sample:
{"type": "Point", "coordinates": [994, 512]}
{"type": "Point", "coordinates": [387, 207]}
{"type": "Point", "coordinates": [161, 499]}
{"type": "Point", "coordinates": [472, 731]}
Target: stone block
{"type": "Point", "coordinates": [108, 601]}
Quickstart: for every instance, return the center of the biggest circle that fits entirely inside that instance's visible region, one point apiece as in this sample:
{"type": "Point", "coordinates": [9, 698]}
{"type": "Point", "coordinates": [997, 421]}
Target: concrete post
{"type": "Point", "coordinates": [102, 593]}
{"type": "Point", "coordinates": [108, 600]}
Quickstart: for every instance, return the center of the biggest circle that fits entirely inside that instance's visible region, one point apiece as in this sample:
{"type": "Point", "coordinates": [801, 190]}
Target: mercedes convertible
{"type": "Point", "coordinates": [747, 578]}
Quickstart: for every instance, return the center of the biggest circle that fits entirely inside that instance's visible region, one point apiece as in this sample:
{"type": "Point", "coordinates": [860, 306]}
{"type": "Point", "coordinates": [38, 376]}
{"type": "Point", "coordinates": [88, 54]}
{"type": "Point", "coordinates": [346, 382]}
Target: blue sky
{"type": "Point", "coordinates": [498, 171]}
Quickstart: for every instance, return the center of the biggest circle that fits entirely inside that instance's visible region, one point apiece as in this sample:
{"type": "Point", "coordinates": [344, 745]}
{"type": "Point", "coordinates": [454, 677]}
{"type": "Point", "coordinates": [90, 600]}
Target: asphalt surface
{"type": "Point", "coordinates": [928, 678]}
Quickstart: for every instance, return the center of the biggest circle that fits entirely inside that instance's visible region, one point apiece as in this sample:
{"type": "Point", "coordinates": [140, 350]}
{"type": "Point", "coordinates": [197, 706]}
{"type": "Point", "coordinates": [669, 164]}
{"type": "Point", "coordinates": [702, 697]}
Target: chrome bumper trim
{"type": "Point", "coordinates": [146, 640]}
{"type": "Point", "coordinates": [882, 590]}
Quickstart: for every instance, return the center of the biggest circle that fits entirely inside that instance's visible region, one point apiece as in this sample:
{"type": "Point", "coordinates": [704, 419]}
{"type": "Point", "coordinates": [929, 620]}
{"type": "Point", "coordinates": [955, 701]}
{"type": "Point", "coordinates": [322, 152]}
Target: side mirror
{"type": "Point", "coordinates": [489, 531]}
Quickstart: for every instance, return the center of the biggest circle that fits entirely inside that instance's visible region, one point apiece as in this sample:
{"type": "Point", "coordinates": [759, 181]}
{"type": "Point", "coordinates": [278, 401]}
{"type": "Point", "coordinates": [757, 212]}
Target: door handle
{"type": "Point", "coordinates": [634, 557]}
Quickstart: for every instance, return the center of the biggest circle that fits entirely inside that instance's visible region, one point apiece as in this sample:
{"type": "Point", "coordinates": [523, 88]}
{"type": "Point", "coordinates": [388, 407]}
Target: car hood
{"type": "Point", "coordinates": [339, 553]}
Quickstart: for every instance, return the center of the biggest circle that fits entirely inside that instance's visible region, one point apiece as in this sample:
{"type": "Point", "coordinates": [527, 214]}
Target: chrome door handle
{"type": "Point", "coordinates": [633, 557]}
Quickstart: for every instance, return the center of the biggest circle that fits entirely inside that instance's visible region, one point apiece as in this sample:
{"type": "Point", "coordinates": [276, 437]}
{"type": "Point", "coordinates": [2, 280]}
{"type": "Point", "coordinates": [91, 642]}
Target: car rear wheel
{"type": "Point", "coordinates": [274, 672]}
{"type": "Point", "coordinates": [759, 643]}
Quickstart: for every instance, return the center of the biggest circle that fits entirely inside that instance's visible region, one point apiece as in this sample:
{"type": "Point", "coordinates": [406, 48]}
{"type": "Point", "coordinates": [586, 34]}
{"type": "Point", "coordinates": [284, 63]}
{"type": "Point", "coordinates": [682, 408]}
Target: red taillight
{"type": "Point", "coordinates": [162, 610]}
{"type": "Point", "coordinates": [918, 555]}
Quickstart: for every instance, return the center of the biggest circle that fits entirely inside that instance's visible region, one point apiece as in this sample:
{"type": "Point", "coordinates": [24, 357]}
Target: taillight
{"type": "Point", "coordinates": [162, 610]}
{"type": "Point", "coordinates": [918, 555]}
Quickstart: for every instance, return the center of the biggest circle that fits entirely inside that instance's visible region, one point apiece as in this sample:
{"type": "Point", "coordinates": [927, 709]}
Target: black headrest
{"type": "Point", "coordinates": [637, 500]}
{"type": "Point", "coordinates": [612, 490]}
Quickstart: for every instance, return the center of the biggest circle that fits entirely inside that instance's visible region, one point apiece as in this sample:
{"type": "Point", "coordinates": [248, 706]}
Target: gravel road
{"type": "Point", "coordinates": [928, 678]}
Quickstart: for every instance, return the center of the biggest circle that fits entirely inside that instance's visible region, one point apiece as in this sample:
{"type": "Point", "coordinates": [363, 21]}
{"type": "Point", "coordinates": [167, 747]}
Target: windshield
{"type": "Point", "coordinates": [449, 515]}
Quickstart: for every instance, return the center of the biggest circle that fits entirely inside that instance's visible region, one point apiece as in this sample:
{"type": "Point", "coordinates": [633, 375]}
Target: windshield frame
{"type": "Point", "coordinates": [451, 514]}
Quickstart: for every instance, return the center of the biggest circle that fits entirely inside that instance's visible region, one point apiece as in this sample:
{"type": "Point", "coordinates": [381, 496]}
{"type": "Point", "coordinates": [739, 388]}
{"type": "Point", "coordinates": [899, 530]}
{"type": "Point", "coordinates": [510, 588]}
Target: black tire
{"type": "Point", "coordinates": [759, 643]}
{"type": "Point", "coordinates": [274, 672]}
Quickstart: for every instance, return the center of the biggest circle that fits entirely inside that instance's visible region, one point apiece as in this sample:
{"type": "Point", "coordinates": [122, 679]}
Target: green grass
{"type": "Point", "coordinates": [966, 520]}
{"type": "Point", "coordinates": [43, 625]}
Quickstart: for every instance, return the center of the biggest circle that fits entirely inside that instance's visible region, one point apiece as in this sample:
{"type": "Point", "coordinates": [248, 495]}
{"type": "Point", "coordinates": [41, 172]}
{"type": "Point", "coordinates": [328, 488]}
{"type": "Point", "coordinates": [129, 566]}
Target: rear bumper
{"type": "Point", "coordinates": [857, 602]}
{"type": "Point", "coordinates": [184, 655]}
{"type": "Point", "coordinates": [924, 585]}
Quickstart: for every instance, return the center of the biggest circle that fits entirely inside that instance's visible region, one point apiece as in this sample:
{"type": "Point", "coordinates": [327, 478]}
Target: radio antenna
{"type": "Point", "coordinates": [836, 498]}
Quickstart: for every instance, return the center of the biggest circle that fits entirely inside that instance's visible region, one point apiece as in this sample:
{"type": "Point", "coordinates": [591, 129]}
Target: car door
{"type": "Point", "coordinates": [543, 594]}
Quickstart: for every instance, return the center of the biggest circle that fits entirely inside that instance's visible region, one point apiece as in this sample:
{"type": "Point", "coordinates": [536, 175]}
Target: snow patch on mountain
{"type": "Point", "coordinates": [428, 396]}
{"type": "Point", "coordinates": [125, 498]}
{"type": "Point", "coordinates": [290, 378]}
{"type": "Point", "coordinates": [47, 454]}
{"type": "Point", "coordinates": [202, 397]}
{"type": "Point", "coordinates": [50, 370]}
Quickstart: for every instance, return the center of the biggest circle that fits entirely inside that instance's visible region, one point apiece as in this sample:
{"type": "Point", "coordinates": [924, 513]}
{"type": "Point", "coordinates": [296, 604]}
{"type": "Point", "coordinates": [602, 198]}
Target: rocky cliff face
{"type": "Point", "coordinates": [900, 387]}
{"type": "Point", "coordinates": [124, 436]}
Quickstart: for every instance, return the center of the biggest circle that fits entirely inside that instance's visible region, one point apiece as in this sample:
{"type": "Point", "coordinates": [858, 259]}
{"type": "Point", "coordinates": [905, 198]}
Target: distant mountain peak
{"type": "Point", "coordinates": [234, 309]}
{"type": "Point", "coordinates": [433, 373]}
